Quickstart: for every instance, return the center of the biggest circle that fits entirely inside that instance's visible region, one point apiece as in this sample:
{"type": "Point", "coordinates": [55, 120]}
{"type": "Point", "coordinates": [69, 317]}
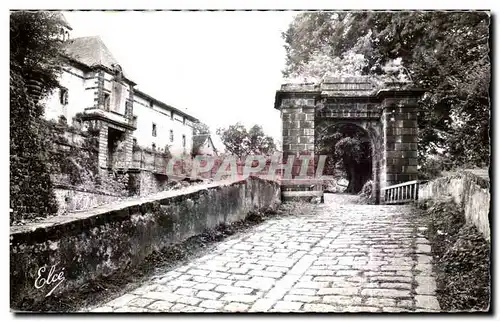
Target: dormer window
{"type": "Point", "coordinates": [117, 71]}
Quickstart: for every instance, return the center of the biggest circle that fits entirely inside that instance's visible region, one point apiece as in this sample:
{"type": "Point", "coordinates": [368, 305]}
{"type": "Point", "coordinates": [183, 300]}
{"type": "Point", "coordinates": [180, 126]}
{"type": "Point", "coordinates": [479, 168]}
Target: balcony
{"type": "Point", "coordinates": [109, 116]}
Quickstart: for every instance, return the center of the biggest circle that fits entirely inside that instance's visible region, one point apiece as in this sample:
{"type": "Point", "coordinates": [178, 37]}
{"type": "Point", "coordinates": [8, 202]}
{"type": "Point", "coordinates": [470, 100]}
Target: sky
{"type": "Point", "coordinates": [221, 67]}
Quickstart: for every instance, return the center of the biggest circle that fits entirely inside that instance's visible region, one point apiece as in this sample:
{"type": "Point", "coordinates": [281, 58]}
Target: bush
{"type": "Point", "coordinates": [366, 194]}
{"type": "Point", "coordinates": [462, 258]}
{"type": "Point", "coordinates": [367, 189]}
{"type": "Point", "coordinates": [431, 169]}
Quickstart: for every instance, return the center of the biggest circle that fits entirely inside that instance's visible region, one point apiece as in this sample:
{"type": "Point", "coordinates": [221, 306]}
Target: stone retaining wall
{"type": "Point", "coordinates": [144, 182]}
{"type": "Point", "coordinates": [469, 191]}
{"type": "Point", "coordinates": [104, 240]}
{"type": "Point", "coordinates": [72, 199]}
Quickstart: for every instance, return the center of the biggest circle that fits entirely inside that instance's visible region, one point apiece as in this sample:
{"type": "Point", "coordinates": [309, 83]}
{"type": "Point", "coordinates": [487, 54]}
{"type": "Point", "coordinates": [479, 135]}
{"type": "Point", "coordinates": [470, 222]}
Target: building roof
{"type": "Point", "coordinates": [201, 139]}
{"type": "Point", "coordinates": [91, 52]}
{"type": "Point", "coordinates": [165, 106]}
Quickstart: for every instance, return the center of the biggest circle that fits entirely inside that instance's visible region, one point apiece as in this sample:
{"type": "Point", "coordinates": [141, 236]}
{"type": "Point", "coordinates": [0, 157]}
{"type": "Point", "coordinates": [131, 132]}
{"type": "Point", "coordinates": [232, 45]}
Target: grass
{"type": "Point", "coordinates": [461, 258]}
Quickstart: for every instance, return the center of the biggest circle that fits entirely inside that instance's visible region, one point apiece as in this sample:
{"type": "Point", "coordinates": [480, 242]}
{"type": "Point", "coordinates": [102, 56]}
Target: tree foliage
{"type": "Point", "coordinates": [446, 53]}
{"type": "Point", "coordinates": [348, 149]}
{"type": "Point", "coordinates": [31, 193]}
{"type": "Point", "coordinates": [35, 48]}
{"type": "Point", "coordinates": [33, 54]}
{"type": "Point", "coordinates": [242, 142]}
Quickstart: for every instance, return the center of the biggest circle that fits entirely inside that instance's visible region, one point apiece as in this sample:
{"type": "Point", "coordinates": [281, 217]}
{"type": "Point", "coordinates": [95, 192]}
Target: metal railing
{"type": "Point", "coordinates": [400, 193]}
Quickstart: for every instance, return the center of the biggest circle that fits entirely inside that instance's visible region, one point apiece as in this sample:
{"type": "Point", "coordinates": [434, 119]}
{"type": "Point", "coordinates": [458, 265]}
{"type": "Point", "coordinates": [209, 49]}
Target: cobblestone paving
{"type": "Point", "coordinates": [340, 258]}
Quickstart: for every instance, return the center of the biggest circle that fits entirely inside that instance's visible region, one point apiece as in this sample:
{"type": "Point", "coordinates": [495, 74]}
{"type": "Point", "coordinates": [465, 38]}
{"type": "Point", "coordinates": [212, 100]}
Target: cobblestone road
{"type": "Point", "coordinates": [340, 258]}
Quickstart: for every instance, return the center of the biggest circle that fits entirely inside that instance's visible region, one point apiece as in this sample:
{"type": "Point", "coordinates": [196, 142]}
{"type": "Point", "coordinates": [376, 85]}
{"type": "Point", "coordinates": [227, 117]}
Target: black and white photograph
{"type": "Point", "coordinates": [250, 161]}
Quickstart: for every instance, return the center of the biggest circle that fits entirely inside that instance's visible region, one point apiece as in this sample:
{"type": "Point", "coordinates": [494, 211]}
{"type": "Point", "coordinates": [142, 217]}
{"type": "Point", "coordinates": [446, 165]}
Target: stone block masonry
{"type": "Point", "coordinates": [99, 99]}
{"type": "Point", "coordinates": [400, 137]}
{"type": "Point", "coordinates": [387, 113]}
{"type": "Point", "coordinates": [469, 191]}
{"type": "Point", "coordinates": [103, 145]}
{"type": "Point", "coordinates": [99, 242]}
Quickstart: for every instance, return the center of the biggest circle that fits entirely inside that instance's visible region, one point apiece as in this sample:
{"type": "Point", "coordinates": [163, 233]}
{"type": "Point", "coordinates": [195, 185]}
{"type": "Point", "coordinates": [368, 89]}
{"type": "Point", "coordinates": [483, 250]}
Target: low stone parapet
{"type": "Point", "coordinates": [469, 190]}
{"type": "Point", "coordinates": [63, 253]}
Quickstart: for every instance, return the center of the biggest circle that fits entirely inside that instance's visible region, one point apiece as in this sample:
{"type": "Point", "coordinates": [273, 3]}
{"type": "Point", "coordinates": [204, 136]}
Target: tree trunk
{"type": "Point", "coordinates": [351, 176]}
{"type": "Point", "coordinates": [357, 175]}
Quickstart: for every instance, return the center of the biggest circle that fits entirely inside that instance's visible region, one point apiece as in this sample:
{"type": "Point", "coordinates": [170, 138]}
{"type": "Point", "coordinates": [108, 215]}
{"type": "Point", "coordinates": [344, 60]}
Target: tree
{"type": "Point", "coordinates": [35, 46]}
{"type": "Point", "coordinates": [259, 142]}
{"type": "Point", "coordinates": [34, 54]}
{"type": "Point", "coordinates": [348, 149]}
{"type": "Point", "coordinates": [446, 53]}
{"type": "Point", "coordinates": [241, 142]}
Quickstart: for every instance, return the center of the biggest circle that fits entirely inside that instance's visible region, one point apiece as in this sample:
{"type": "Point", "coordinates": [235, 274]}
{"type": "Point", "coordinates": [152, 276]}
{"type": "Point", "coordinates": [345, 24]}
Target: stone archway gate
{"type": "Point", "coordinates": [387, 112]}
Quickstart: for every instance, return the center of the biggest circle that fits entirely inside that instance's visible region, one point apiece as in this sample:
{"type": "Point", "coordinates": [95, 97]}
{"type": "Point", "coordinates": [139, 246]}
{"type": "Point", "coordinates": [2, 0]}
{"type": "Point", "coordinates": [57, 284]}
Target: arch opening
{"type": "Point", "coordinates": [349, 148]}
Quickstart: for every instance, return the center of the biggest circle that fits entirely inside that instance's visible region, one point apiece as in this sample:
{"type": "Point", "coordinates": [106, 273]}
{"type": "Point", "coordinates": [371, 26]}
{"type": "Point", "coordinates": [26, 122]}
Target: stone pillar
{"type": "Point", "coordinates": [400, 136]}
{"type": "Point", "coordinates": [298, 138]}
{"type": "Point", "coordinates": [103, 145]}
{"type": "Point", "coordinates": [99, 98]}
{"type": "Point", "coordinates": [128, 141]}
{"type": "Point", "coordinates": [129, 104]}
{"type": "Point", "coordinates": [377, 156]}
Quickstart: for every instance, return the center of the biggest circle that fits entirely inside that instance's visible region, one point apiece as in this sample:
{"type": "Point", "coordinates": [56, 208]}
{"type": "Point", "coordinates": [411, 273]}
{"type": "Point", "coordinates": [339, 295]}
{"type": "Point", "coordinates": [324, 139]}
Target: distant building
{"type": "Point", "coordinates": [94, 88]}
{"type": "Point", "coordinates": [205, 144]}
{"type": "Point", "coordinates": [162, 125]}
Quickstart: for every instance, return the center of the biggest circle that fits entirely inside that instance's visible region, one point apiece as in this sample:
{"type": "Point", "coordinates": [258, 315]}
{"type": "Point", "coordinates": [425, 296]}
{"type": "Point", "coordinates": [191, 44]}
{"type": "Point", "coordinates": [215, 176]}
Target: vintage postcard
{"type": "Point", "coordinates": [250, 161]}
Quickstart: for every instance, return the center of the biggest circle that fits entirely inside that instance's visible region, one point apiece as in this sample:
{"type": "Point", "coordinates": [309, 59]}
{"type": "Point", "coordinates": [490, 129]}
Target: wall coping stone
{"type": "Point", "coordinates": [48, 228]}
{"type": "Point", "coordinates": [469, 189]}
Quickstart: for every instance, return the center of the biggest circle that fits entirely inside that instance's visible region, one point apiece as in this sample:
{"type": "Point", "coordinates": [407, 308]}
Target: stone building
{"type": "Point", "coordinates": [94, 89]}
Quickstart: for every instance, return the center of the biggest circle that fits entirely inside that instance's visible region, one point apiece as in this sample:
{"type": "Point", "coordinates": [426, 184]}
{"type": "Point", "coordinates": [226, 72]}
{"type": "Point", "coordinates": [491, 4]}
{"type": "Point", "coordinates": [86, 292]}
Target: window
{"type": "Point", "coordinates": [150, 103]}
{"type": "Point", "coordinates": [63, 96]}
{"type": "Point", "coordinates": [153, 146]}
{"type": "Point", "coordinates": [107, 101]}
{"type": "Point", "coordinates": [184, 120]}
{"type": "Point", "coordinates": [183, 140]}
{"type": "Point", "coordinates": [134, 142]}
{"type": "Point", "coordinates": [171, 135]}
{"type": "Point", "coordinates": [172, 115]}
{"type": "Point", "coordinates": [154, 129]}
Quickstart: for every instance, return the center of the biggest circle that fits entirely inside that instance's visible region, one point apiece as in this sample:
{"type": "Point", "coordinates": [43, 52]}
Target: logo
{"type": "Point", "coordinates": [51, 279]}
